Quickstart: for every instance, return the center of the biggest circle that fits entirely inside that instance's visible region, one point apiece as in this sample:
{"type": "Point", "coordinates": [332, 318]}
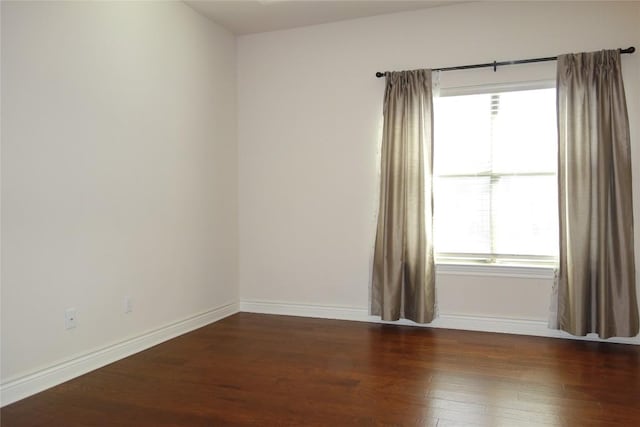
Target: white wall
{"type": "Point", "coordinates": [309, 124]}
{"type": "Point", "coordinates": [119, 174]}
{"type": "Point", "coordinates": [120, 164]}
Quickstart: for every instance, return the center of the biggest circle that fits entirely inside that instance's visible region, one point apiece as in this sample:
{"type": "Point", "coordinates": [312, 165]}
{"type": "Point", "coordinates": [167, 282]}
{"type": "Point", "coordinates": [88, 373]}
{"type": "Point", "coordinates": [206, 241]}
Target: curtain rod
{"type": "Point", "coordinates": [495, 64]}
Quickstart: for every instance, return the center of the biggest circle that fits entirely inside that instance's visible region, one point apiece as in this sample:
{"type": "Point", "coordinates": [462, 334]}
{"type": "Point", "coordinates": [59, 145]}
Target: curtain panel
{"type": "Point", "coordinates": [596, 289]}
{"type": "Point", "coordinates": [403, 268]}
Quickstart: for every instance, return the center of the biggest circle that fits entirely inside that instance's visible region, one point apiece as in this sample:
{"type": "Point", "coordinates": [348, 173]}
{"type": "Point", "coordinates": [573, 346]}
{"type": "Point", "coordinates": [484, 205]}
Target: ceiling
{"type": "Point", "coordinates": [256, 16]}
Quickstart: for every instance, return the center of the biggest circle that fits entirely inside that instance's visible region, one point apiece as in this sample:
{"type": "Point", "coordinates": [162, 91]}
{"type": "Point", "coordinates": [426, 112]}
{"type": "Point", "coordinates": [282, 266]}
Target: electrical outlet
{"type": "Point", "coordinates": [70, 319]}
{"type": "Point", "coordinates": [128, 304]}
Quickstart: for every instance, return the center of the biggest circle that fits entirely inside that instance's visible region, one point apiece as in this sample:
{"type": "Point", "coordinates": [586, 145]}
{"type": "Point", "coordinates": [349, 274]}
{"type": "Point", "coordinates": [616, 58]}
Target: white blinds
{"type": "Point", "coordinates": [495, 189]}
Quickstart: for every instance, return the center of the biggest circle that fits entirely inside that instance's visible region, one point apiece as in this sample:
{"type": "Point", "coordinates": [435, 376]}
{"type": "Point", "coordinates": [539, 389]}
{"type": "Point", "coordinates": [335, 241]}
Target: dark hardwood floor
{"type": "Point", "coordinates": [265, 370]}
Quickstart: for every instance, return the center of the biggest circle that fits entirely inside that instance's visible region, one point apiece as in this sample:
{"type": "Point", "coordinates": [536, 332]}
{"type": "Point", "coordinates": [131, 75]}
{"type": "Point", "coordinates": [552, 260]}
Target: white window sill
{"type": "Point", "coordinates": [493, 270]}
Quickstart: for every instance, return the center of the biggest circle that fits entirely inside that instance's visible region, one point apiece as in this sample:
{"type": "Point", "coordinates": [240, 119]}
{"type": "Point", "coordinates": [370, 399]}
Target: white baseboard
{"type": "Point", "coordinates": [445, 321]}
{"type": "Point", "coordinates": [43, 379]}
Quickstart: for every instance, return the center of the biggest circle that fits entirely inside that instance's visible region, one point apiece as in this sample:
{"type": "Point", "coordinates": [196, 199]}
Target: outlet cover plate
{"type": "Point", "coordinates": [70, 319]}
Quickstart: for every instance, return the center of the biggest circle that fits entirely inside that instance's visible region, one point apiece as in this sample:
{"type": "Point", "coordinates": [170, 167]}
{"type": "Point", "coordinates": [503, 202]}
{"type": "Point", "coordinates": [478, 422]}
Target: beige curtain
{"type": "Point", "coordinates": [596, 287]}
{"type": "Point", "coordinates": [403, 269]}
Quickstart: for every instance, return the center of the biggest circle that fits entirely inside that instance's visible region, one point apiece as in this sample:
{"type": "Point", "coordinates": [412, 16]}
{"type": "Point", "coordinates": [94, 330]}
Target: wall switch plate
{"type": "Point", "coordinates": [70, 318]}
{"type": "Point", "coordinates": [128, 304]}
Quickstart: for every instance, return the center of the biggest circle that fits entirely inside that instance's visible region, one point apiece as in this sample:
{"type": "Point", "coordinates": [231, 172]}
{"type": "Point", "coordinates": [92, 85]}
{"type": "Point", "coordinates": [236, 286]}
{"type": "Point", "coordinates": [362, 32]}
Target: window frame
{"type": "Point", "coordinates": [459, 260]}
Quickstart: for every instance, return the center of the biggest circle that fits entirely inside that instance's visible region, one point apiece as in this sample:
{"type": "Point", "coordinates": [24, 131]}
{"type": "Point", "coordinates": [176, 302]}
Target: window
{"type": "Point", "coordinates": [495, 188]}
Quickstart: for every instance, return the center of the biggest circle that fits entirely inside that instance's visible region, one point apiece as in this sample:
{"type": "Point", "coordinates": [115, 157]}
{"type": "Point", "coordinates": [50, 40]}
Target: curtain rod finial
{"type": "Point", "coordinates": [379, 74]}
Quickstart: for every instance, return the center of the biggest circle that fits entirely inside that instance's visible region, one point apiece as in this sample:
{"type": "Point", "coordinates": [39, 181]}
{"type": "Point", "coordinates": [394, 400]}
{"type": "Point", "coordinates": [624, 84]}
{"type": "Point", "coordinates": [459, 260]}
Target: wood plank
{"type": "Point", "coordinates": [252, 369]}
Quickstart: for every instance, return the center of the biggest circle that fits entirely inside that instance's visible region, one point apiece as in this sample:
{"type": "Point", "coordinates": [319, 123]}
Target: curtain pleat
{"type": "Point", "coordinates": [403, 269]}
{"type": "Point", "coordinates": [596, 289]}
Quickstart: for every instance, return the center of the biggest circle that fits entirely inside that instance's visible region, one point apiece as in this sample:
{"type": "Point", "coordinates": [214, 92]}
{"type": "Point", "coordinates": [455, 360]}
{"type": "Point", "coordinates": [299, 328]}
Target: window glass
{"type": "Point", "coordinates": [495, 187]}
